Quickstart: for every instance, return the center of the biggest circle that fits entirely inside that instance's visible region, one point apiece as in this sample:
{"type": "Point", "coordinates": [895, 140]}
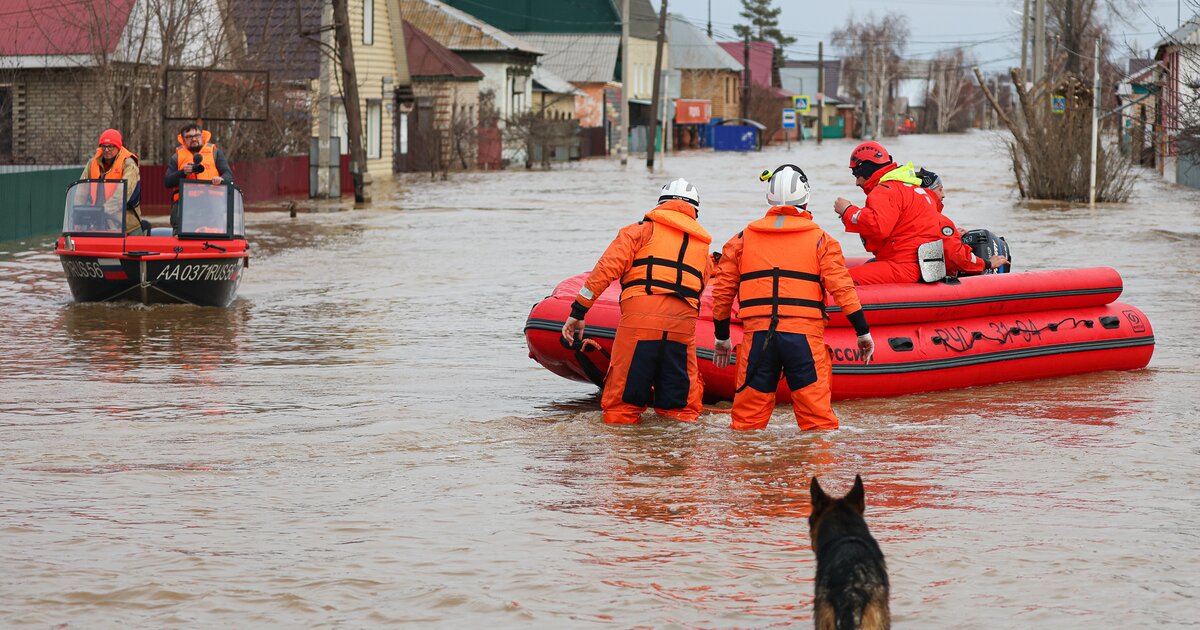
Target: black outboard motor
{"type": "Point", "coordinates": [985, 245]}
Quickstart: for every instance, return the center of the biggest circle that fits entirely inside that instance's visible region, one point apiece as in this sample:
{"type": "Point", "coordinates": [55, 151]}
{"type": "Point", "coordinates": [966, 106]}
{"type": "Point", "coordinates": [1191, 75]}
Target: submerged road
{"type": "Point", "coordinates": [361, 440]}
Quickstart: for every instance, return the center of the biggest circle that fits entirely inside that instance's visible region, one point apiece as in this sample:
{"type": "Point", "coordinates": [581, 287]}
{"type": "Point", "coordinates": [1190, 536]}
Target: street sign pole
{"type": "Point", "coordinates": [789, 122]}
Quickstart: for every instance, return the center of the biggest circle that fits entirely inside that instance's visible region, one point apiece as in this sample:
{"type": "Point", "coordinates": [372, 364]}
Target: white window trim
{"type": "Point", "coordinates": [368, 22]}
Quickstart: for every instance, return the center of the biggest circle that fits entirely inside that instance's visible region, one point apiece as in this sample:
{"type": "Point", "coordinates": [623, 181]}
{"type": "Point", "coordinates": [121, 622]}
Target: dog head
{"type": "Point", "coordinates": [823, 504]}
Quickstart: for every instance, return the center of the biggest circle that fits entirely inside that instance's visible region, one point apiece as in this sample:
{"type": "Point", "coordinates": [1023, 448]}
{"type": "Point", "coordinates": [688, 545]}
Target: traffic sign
{"type": "Point", "coordinates": [789, 118]}
{"type": "Point", "coordinates": [800, 103]}
{"type": "Point", "coordinates": [1058, 104]}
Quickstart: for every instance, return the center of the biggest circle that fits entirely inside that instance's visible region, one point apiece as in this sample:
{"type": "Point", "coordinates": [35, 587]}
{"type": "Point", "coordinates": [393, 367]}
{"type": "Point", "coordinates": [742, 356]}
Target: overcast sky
{"type": "Point", "coordinates": [991, 29]}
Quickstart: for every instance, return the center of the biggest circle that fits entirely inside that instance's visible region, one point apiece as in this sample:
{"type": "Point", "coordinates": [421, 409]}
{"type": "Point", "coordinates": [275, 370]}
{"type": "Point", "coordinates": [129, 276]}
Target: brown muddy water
{"type": "Point", "coordinates": [361, 440]}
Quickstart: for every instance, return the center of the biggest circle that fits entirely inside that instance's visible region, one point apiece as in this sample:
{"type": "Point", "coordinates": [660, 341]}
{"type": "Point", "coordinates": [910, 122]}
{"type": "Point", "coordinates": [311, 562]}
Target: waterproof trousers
{"type": "Point", "coordinates": [803, 361]}
{"type": "Point", "coordinates": [883, 272]}
{"type": "Point", "coordinates": [652, 368]}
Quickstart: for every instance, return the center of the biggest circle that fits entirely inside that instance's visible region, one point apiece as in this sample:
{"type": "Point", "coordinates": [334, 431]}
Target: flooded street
{"type": "Point", "coordinates": [361, 439]}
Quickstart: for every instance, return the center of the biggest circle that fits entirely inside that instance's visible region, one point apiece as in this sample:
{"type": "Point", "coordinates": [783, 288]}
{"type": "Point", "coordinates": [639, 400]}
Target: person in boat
{"type": "Point", "coordinates": [960, 258]}
{"type": "Point", "coordinates": [898, 219]}
{"type": "Point", "coordinates": [113, 161]}
{"type": "Point", "coordinates": [663, 264]}
{"type": "Point", "coordinates": [197, 158]}
{"type": "Point", "coordinates": [779, 268]}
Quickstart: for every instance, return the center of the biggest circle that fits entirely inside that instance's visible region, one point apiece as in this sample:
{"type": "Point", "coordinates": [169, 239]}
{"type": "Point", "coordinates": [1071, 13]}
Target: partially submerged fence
{"type": "Point", "coordinates": [31, 197]}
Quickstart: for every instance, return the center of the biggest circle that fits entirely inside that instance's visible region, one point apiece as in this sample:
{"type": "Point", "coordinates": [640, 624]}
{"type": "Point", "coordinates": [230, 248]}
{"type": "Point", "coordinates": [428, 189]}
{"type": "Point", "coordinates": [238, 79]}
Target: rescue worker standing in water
{"type": "Point", "coordinates": [115, 162]}
{"type": "Point", "coordinates": [897, 218]}
{"type": "Point", "coordinates": [779, 268]}
{"type": "Point", "coordinates": [196, 158]}
{"type": "Point", "coordinates": [663, 264]}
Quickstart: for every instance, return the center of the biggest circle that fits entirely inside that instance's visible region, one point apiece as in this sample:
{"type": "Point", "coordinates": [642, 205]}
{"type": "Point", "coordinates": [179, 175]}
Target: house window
{"type": "Point", "coordinates": [6, 126]}
{"type": "Point", "coordinates": [403, 135]}
{"type": "Point", "coordinates": [339, 127]}
{"type": "Point", "coordinates": [368, 22]}
{"type": "Point", "coordinates": [374, 128]}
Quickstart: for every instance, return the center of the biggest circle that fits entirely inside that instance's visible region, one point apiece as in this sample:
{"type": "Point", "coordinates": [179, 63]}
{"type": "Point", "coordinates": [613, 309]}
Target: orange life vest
{"type": "Point", "coordinates": [115, 172]}
{"type": "Point", "coordinates": [672, 262]}
{"type": "Point", "coordinates": [208, 157]}
{"type": "Point", "coordinates": [780, 271]}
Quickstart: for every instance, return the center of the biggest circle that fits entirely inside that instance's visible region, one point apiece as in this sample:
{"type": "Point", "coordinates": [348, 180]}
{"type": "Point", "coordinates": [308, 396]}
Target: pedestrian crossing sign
{"type": "Point", "coordinates": [1058, 104]}
{"type": "Point", "coordinates": [800, 103]}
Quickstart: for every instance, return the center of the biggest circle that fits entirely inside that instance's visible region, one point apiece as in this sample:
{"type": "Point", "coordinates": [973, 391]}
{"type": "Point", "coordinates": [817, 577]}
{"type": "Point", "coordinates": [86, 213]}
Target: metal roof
{"type": "Point", "coordinates": [85, 27]}
{"type": "Point", "coordinates": [578, 57]}
{"type": "Point", "coordinates": [428, 59]}
{"type": "Point", "coordinates": [1185, 34]}
{"type": "Point", "coordinates": [692, 49]}
{"type": "Point", "coordinates": [643, 19]}
{"type": "Point", "coordinates": [460, 31]}
{"type": "Point", "coordinates": [552, 82]}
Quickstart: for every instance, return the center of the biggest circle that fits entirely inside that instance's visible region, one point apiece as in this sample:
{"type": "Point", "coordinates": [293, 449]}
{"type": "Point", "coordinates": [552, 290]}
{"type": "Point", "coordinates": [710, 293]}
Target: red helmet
{"type": "Point", "coordinates": [869, 152]}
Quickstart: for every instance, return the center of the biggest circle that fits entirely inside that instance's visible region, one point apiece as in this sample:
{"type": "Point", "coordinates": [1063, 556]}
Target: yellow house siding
{"type": "Point", "coordinates": [641, 66]}
{"type": "Point", "coordinates": [372, 62]}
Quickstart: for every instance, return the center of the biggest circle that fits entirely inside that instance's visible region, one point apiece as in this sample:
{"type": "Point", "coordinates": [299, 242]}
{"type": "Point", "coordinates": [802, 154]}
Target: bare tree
{"type": "Point", "coordinates": [1051, 147]}
{"type": "Point", "coordinates": [765, 105]}
{"type": "Point", "coordinates": [949, 90]}
{"type": "Point", "coordinates": [871, 50]}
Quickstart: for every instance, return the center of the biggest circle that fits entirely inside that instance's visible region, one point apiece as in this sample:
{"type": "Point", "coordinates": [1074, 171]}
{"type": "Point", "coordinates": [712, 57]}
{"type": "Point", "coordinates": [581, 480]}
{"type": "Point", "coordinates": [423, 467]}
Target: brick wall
{"type": "Point", "coordinates": [58, 114]}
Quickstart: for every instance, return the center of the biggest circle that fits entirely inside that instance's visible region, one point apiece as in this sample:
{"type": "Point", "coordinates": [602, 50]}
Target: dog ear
{"type": "Point", "coordinates": [819, 498]}
{"type": "Point", "coordinates": [856, 498]}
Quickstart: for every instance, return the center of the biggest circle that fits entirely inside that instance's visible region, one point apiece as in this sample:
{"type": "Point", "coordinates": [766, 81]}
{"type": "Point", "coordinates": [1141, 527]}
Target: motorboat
{"type": "Point", "coordinates": [201, 261]}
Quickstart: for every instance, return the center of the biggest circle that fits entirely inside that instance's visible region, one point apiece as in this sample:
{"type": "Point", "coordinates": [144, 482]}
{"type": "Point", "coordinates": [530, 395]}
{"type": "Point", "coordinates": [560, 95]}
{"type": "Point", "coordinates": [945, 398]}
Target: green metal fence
{"type": "Point", "coordinates": [31, 202]}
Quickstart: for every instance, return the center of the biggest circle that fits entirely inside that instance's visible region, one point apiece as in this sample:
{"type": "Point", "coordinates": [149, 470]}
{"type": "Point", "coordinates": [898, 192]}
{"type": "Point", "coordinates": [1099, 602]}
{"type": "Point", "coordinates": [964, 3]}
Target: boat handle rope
{"type": "Point", "coordinates": [962, 345]}
{"type": "Point", "coordinates": [582, 347]}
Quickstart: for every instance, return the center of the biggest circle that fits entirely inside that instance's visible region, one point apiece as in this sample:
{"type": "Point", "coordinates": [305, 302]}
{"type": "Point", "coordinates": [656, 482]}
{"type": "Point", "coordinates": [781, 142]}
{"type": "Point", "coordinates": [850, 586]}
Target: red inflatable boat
{"type": "Point", "coordinates": [977, 331]}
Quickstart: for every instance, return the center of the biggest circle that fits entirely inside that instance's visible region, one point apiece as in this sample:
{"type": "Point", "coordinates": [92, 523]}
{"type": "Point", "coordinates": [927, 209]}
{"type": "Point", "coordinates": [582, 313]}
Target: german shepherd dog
{"type": "Point", "coordinates": [852, 581]}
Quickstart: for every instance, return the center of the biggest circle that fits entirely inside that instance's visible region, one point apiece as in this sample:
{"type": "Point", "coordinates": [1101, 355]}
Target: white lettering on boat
{"type": "Point", "coordinates": [199, 272]}
{"type": "Point", "coordinates": [83, 268]}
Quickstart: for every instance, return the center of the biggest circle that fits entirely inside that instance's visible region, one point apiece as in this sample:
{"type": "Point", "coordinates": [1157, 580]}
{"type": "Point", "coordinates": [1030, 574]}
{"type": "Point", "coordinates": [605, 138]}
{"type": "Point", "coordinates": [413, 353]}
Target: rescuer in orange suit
{"type": "Point", "coordinates": [897, 218]}
{"type": "Point", "coordinates": [663, 264]}
{"type": "Point", "coordinates": [779, 268]}
{"type": "Point", "coordinates": [196, 158]}
{"type": "Point", "coordinates": [115, 162]}
{"type": "Point", "coordinates": [959, 257]}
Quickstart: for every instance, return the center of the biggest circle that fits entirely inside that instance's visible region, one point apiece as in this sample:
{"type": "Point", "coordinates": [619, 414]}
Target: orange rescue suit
{"type": "Point", "coordinates": [116, 172]}
{"type": "Point", "coordinates": [208, 157]}
{"type": "Point", "coordinates": [663, 264]}
{"type": "Point", "coordinates": [779, 267]}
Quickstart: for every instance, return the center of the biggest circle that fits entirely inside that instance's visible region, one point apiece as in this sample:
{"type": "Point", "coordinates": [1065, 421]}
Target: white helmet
{"type": "Point", "coordinates": [680, 189]}
{"type": "Point", "coordinates": [788, 187]}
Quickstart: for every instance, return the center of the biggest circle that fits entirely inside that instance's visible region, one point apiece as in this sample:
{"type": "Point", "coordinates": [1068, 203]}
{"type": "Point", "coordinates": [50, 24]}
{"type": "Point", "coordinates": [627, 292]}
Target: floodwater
{"type": "Point", "coordinates": [361, 439]}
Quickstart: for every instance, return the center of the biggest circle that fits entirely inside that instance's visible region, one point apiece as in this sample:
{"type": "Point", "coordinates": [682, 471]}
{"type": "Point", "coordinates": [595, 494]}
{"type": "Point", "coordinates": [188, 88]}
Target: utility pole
{"type": "Point", "coordinates": [820, 92]}
{"type": "Point", "coordinates": [1024, 42]}
{"type": "Point", "coordinates": [1095, 124]}
{"type": "Point", "coordinates": [625, 94]}
{"type": "Point", "coordinates": [655, 94]}
{"type": "Point", "coordinates": [710, 19]}
{"type": "Point", "coordinates": [358, 156]}
{"type": "Point", "coordinates": [745, 76]}
{"type": "Point", "coordinates": [1039, 40]}
{"type": "Point", "coordinates": [324, 172]}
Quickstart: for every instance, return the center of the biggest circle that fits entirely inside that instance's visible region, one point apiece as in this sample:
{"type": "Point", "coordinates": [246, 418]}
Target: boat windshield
{"type": "Point", "coordinates": [209, 210]}
{"type": "Point", "coordinates": [95, 207]}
